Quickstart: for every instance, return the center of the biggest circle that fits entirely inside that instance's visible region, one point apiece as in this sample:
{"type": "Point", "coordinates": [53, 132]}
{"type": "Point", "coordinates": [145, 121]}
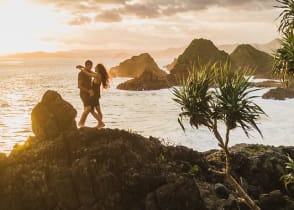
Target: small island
{"type": "Point", "coordinates": [134, 66]}
{"type": "Point", "coordinates": [148, 80]}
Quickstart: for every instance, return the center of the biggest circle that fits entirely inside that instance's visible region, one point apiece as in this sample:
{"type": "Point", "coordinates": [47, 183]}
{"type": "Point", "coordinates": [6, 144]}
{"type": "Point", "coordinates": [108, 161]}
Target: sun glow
{"type": "Point", "coordinates": [24, 25]}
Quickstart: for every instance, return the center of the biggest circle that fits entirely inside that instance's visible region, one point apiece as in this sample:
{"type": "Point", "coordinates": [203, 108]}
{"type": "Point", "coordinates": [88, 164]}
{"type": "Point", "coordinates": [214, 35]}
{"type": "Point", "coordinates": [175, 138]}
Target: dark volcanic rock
{"type": "Point", "coordinates": [134, 66]}
{"type": "Point", "coordinates": [148, 80]}
{"type": "Point", "coordinates": [279, 94]}
{"type": "Point", "coordinates": [272, 201]}
{"type": "Point", "coordinates": [183, 194]}
{"type": "Point", "coordinates": [52, 116]}
{"type": "Point", "coordinates": [247, 56]}
{"type": "Point", "coordinates": [221, 191]}
{"type": "Point", "coordinates": [260, 167]}
{"type": "Point", "coordinates": [91, 169]}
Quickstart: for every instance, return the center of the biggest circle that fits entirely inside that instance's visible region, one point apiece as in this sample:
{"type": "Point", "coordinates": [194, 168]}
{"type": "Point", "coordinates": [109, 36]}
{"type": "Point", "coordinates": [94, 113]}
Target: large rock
{"type": "Point", "coordinates": [99, 169]}
{"type": "Point", "coordinates": [52, 116]}
{"type": "Point", "coordinates": [171, 65]}
{"type": "Point", "coordinates": [200, 51]}
{"type": "Point", "coordinates": [279, 93]}
{"type": "Point", "coordinates": [91, 169]}
{"type": "Point", "coordinates": [148, 80]}
{"type": "Point", "coordinates": [247, 56]}
{"type": "Point", "coordinates": [260, 167]}
{"type": "Point", "coordinates": [183, 194]}
{"type": "Point", "coordinates": [134, 66]}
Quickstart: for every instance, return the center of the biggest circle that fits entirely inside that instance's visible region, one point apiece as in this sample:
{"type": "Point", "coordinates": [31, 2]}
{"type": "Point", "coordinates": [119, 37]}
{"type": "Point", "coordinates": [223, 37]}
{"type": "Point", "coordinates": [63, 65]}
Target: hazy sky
{"type": "Point", "coordinates": [50, 25]}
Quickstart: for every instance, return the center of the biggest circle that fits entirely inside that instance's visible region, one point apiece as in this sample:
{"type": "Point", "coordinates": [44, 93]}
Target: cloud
{"type": "Point", "coordinates": [80, 20]}
{"type": "Point", "coordinates": [108, 16]}
{"type": "Point", "coordinates": [115, 10]}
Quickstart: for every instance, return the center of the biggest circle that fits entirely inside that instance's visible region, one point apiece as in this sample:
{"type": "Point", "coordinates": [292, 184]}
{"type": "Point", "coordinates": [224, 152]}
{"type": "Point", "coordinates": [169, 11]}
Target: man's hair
{"type": "Point", "coordinates": [88, 62]}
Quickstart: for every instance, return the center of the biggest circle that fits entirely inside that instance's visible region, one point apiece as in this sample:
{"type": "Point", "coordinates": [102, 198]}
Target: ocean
{"type": "Point", "coordinates": [149, 113]}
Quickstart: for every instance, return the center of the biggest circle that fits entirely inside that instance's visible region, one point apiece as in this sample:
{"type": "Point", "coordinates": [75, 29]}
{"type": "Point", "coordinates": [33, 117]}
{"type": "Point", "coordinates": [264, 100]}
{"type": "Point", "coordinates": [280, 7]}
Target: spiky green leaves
{"type": "Point", "coordinates": [289, 178]}
{"type": "Point", "coordinates": [284, 59]}
{"type": "Point", "coordinates": [195, 98]}
{"type": "Point", "coordinates": [234, 104]}
{"type": "Point", "coordinates": [287, 16]}
{"type": "Point", "coordinates": [230, 102]}
{"type": "Point", "coordinates": [284, 56]}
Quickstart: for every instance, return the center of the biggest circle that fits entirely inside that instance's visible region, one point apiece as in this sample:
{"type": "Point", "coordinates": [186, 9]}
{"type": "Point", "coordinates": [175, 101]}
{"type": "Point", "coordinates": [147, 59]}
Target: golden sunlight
{"type": "Point", "coordinates": [24, 24]}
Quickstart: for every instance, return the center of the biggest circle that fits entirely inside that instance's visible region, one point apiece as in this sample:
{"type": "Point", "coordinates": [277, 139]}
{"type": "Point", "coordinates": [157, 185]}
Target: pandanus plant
{"type": "Point", "coordinates": [286, 16]}
{"type": "Point", "coordinates": [230, 103]}
{"type": "Point", "coordinates": [284, 59]}
{"type": "Point", "coordinates": [284, 56]}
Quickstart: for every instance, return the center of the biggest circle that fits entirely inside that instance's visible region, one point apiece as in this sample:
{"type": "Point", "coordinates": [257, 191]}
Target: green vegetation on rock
{"type": "Point", "coordinates": [288, 179]}
{"type": "Point", "coordinates": [200, 51]}
{"type": "Point", "coordinates": [247, 56]}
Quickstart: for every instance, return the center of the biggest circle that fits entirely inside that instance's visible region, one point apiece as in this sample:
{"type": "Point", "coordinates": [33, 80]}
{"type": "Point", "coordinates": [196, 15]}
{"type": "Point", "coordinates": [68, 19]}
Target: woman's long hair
{"type": "Point", "coordinates": [104, 75]}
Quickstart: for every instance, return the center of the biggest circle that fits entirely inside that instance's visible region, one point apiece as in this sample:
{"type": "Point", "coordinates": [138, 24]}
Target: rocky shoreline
{"type": "Point", "coordinates": [110, 169]}
{"type": "Point", "coordinates": [279, 93]}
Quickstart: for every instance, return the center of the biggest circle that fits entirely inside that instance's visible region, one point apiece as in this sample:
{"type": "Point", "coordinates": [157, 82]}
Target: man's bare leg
{"type": "Point", "coordinates": [84, 116]}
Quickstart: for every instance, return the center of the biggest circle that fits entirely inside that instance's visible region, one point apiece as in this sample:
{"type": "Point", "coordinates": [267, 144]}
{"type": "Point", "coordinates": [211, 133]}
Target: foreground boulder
{"type": "Point", "coordinates": [148, 80]}
{"type": "Point", "coordinates": [91, 169]}
{"type": "Point", "coordinates": [52, 116]}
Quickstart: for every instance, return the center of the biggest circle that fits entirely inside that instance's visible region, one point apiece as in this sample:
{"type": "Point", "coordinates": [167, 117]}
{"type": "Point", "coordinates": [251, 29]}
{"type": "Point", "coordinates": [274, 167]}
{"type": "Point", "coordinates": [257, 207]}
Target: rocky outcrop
{"type": "Point", "coordinates": [279, 94]}
{"type": "Point", "coordinates": [171, 65]}
{"type": "Point", "coordinates": [200, 51]}
{"type": "Point", "coordinates": [89, 169]}
{"type": "Point", "coordinates": [247, 56]}
{"type": "Point", "coordinates": [52, 116]}
{"type": "Point", "coordinates": [134, 66]}
{"type": "Point", "coordinates": [148, 80]}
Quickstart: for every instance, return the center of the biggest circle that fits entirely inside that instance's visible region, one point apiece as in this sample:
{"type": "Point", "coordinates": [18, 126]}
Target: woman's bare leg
{"type": "Point", "coordinates": [100, 124]}
{"type": "Point", "coordinates": [95, 115]}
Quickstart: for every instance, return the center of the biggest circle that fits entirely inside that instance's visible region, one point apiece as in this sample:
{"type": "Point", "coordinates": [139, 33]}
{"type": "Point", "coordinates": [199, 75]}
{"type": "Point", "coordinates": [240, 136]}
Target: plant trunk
{"type": "Point", "coordinates": [242, 193]}
{"type": "Point", "coordinates": [249, 202]}
{"type": "Point", "coordinates": [235, 184]}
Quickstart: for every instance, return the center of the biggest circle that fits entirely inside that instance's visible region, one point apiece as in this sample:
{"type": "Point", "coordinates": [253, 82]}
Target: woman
{"type": "Point", "coordinates": [100, 78]}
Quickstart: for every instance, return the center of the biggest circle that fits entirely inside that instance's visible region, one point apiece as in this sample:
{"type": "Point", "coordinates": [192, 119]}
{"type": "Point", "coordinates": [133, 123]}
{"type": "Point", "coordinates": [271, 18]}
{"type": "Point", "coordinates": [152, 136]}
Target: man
{"type": "Point", "coordinates": [84, 84]}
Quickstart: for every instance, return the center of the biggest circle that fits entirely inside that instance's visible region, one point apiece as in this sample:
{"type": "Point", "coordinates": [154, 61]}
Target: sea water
{"type": "Point", "coordinates": [149, 113]}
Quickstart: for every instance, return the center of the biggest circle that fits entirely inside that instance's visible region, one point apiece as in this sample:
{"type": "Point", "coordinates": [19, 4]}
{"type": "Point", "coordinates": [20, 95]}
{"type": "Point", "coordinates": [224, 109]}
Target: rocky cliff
{"type": "Point", "coordinates": [65, 168]}
{"type": "Point", "coordinates": [248, 56]}
{"type": "Point", "coordinates": [134, 66]}
{"type": "Point", "coordinates": [200, 51]}
{"type": "Point", "coordinates": [148, 80]}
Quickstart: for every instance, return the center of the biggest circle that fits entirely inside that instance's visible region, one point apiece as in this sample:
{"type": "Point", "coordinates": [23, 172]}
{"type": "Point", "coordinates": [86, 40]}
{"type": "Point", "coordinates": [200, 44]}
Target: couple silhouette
{"type": "Point", "coordinates": [90, 84]}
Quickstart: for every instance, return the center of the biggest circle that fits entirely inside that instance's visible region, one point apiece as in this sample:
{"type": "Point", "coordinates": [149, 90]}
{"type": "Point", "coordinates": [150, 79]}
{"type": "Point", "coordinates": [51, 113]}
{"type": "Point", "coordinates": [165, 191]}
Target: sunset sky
{"type": "Point", "coordinates": [53, 25]}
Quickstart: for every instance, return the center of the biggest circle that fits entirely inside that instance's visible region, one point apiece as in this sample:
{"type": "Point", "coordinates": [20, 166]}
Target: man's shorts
{"type": "Point", "coordinates": [85, 99]}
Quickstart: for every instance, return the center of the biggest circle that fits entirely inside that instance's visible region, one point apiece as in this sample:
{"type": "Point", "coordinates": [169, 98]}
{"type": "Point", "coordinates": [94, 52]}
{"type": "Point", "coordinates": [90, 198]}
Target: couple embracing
{"type": "Point", "coordinates": [90, 83]}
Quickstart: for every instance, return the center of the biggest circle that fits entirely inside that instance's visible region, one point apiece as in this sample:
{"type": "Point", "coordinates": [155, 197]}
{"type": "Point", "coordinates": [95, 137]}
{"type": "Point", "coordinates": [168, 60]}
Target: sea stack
{"type": "Point", "coordinates": [134, 66]}
{"type": "Point", "coordinates": [247, 56]}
